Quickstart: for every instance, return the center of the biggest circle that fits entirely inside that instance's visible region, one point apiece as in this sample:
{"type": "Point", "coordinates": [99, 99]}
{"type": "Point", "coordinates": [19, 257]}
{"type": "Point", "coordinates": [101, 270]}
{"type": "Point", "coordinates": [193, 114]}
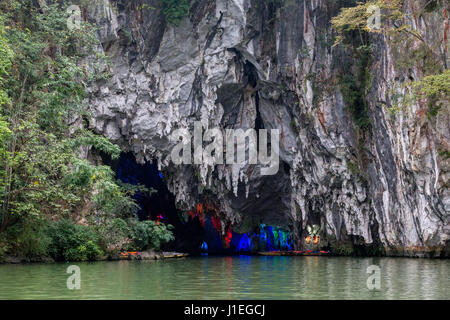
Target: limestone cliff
{"type": "Point", "coordinates": [271, 64]}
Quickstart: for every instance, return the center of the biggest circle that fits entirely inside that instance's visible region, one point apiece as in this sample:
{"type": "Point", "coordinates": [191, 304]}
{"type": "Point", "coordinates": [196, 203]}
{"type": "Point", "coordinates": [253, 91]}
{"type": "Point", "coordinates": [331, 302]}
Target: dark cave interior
{"type": "Point", "coordinates": [200, 230]}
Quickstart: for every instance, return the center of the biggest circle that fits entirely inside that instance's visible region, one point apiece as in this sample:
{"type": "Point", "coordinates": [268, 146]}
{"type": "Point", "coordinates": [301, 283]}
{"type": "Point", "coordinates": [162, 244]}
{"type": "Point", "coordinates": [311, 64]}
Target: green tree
{"type": "Point", "coordinates": [175, 10]}
{"type": "Point", "coordinates": [43, 74]}
{"type": "Point", "coordinates": [353, 21]}
{"type": "Point", "coordinates": [150, 234]}
{"type": "Point", "coordinates": [435, 86]}
{"type": "Point", "coordinates": [72, 242]}
{"type": "Point", "coordinates": [6, 55]}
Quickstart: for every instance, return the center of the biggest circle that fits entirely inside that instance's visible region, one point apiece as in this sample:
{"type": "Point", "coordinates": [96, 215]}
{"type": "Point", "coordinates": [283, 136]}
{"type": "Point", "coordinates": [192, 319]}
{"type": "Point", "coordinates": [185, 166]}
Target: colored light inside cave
{"type": "Point", "coordinates": [245, 244]}
{"type": "Point", "coordinates": [269, 237]}
{"type": "Point", "coordinates": [160, 175]}
{"type": "Point", "coordinates": [264, 238]}
{"type": "Point", "coordinates": [199, 209]}
{"type": "Point", "coordinates": [273, 238]}
{"type": "Point", "coordinates": [284, 240]}
{"type": "Point", "coordinates": [228, 237]}
{"type": "Point", "coordinates": [275, 235]}
{"type": "Point", "coordinates": [316, 239]}
{"type": "Point", "coordinates": [217, 224]}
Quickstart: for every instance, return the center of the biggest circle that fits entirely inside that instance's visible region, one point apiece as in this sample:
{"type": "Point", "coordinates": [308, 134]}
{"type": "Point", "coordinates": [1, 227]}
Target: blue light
{"type": "Point", "coordinates": [267, 238]}
{"type": "Point", "coordinates": [204, 246]}
{"type": "Point", "coordinates": [245, 244]}
{"type": "Point", "coordinates": [272, 238]}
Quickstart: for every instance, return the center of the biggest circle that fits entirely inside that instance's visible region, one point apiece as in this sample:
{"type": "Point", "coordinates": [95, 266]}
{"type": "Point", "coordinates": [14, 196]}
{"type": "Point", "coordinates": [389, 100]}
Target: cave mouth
{"type": "Point", "coordinates": [199, 230]}
{"type": "Point", "coordinates": [152, 205]}
{"type": "Point", "coordinates": [159, 205]}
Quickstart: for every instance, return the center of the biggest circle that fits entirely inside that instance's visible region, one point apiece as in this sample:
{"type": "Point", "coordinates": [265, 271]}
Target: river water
{"type": "Point", "coordinates": [240, 277]}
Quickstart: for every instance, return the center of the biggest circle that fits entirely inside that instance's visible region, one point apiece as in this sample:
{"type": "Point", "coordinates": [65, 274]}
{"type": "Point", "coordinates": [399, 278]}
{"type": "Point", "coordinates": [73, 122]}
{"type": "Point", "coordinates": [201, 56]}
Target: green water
{"type": "Point", "coordinates": [232, 278]}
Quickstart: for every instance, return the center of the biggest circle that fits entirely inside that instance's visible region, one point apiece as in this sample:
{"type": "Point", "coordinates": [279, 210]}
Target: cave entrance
{"type": "Point", "coordinates": [160, 204]}
{"type": "Point", "coordinates": [199, 230]}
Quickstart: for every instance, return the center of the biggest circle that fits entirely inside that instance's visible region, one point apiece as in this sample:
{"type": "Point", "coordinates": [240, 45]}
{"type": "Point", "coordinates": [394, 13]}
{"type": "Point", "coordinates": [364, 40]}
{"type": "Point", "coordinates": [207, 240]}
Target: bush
{"type": "Point", "coordinates": [175, 10]}
{"type": "Point", "coordinates": [30, 238]}
{"type": "Point", "coordinates": [355, 100]}
{"type": "Point", "coordinates": [43, 74]}
{"type": "Point", "coordinates": [115, 235]}
{"type": "Point", "coordinates": [72, 242]}
{"type": "Point", "coordinates": [149, 234]}
{"type": "Point", "coordinates": [4, 246]}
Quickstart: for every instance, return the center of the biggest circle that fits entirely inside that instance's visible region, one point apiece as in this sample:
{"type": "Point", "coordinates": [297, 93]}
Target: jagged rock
{"type": "Point", "coordinates": [251, 64]}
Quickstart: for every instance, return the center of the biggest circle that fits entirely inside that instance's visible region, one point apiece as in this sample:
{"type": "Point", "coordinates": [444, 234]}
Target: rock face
{"type": "Point", "coordinates": [271, 64]}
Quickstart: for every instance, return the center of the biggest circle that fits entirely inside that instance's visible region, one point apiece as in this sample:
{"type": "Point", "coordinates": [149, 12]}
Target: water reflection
{"type": "Point", "coordinates": [232, 278]}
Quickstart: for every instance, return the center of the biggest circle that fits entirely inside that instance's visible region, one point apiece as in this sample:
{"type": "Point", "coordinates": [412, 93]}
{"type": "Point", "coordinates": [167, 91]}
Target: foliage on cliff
{"type": "Point", "coordinates": [362, 18]}
{"type": "Point", "coordinates": [43, 177]}
{"type": "Point", "coordinates": [437, 86]}
{"type": "Point", "coordinates": [175, 10]}
{"type": "Point", "coordinates": [408, 46]}
{"type": "Point", "coordinates": [352, 29]}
